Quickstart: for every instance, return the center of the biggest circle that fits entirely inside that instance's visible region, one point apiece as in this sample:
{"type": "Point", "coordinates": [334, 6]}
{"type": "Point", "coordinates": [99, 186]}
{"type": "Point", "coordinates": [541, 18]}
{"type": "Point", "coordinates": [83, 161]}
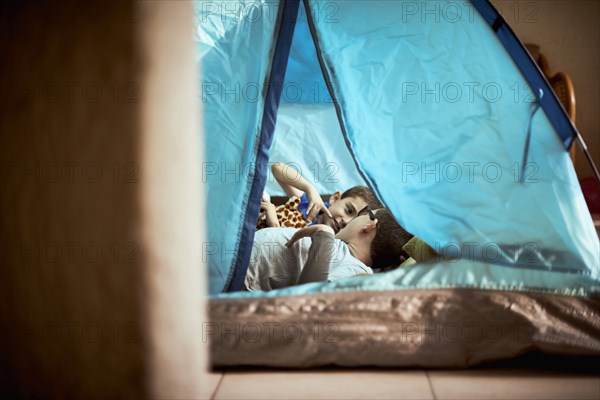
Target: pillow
{"type": "Point", "coordinates": [417, 251]}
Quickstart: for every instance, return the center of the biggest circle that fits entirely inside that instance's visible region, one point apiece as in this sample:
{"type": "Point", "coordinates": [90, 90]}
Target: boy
{"type": "Point", "coordinates": [283, 257]}
{"type": "Point", "coordinates": [309, 206]}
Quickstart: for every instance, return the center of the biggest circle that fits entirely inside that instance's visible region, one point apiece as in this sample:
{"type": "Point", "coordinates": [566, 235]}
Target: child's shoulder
{"type": "Point", "coordinates": [279, 234]}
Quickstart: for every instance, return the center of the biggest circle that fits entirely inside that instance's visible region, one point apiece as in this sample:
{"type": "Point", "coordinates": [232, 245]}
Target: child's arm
{"type": "Point", "coordinates": [320, 253]}
{"type": "Point", "coordinates": [293, 184]}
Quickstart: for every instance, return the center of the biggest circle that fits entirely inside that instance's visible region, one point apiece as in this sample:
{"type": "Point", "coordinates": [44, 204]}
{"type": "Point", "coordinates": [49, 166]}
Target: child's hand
{"type": "Point", "coordinates": [308, 231]}
{"type": "Point", "coordinates": [315, 205]}
{"type": "Point", "coordinates": [269, 209]}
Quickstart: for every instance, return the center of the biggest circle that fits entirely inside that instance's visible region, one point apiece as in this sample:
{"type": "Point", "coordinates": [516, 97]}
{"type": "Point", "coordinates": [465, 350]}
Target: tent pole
{"type": "Point", "coordinates": [584, 148]}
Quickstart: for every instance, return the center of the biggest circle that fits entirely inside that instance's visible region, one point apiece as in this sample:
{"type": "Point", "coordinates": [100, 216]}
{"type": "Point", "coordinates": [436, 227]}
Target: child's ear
{"type": "Point", "coordinates": [334, 197]}
{"type": "Point", "coordinates": [370, 227]}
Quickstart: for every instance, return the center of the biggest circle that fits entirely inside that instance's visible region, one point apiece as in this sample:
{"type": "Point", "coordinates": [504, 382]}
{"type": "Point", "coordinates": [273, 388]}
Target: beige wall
{"type": "Point", "coordinates": [568, 32]}
{"type": "Point", "coordinates": [101, 281]}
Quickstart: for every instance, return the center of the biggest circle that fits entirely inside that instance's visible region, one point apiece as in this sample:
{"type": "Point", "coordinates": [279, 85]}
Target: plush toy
{"type": "Point", "coordinates": [288, 214]}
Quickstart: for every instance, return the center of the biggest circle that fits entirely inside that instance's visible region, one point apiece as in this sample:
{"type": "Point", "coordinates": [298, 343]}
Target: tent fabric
{"type": "Point", "coordinates": [236, 46]}
{"type": "Point", "coordinates": [436, 149]}
{"type": "Point", "coordinates": [304, 82]}
{"type": "Point", "coordinates": [437, 110]}
{"type": "Point", "coordinates": [272, 98]}
{"type": "Point", "coordinates": [307, 120]}
{"type": "Point", "coordinates": [325, 161]}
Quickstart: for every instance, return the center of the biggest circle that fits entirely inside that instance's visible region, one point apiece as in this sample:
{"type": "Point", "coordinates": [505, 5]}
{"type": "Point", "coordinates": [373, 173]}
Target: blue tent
{"type": "Point", "coordinates": [438, 108]}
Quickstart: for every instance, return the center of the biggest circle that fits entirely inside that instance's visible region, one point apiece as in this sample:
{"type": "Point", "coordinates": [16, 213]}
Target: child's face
{"type": "Point", "coordinates": [342, 211]}
{"type": "Point", "coordinates": [353, 230]}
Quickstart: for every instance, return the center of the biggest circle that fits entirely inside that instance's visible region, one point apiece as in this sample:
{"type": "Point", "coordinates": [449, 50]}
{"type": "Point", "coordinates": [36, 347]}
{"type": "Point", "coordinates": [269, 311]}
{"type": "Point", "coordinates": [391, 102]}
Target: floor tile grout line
{"type": "Point", "coordinates": [217, 387]}
{"type": "Point", "coordinates": [430, 385]}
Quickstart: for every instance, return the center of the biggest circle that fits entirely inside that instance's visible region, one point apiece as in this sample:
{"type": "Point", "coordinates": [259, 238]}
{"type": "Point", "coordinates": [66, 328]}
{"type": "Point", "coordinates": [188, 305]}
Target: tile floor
{"type": "Point", "coordinates": [496, 382]}
{"type": "Point", "coordinates": [403, 384]}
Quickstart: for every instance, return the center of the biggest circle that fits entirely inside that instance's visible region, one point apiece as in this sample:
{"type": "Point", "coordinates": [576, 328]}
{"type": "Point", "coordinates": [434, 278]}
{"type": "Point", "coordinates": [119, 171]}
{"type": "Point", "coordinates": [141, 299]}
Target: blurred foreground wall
{"type": "Point", "coordinates": [101, 282]}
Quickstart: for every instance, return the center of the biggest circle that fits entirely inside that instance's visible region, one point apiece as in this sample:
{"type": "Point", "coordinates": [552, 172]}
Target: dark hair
{"type": "Point", "coordinates": [364, 193]}
{"type": "Point", "coordinates": [386, 247]}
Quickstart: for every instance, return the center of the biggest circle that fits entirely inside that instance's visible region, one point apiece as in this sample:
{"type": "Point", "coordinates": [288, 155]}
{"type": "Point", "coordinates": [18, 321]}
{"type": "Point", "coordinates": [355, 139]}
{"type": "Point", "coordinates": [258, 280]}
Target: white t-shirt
{"type": "Point", "coordinates": [273, 266]}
